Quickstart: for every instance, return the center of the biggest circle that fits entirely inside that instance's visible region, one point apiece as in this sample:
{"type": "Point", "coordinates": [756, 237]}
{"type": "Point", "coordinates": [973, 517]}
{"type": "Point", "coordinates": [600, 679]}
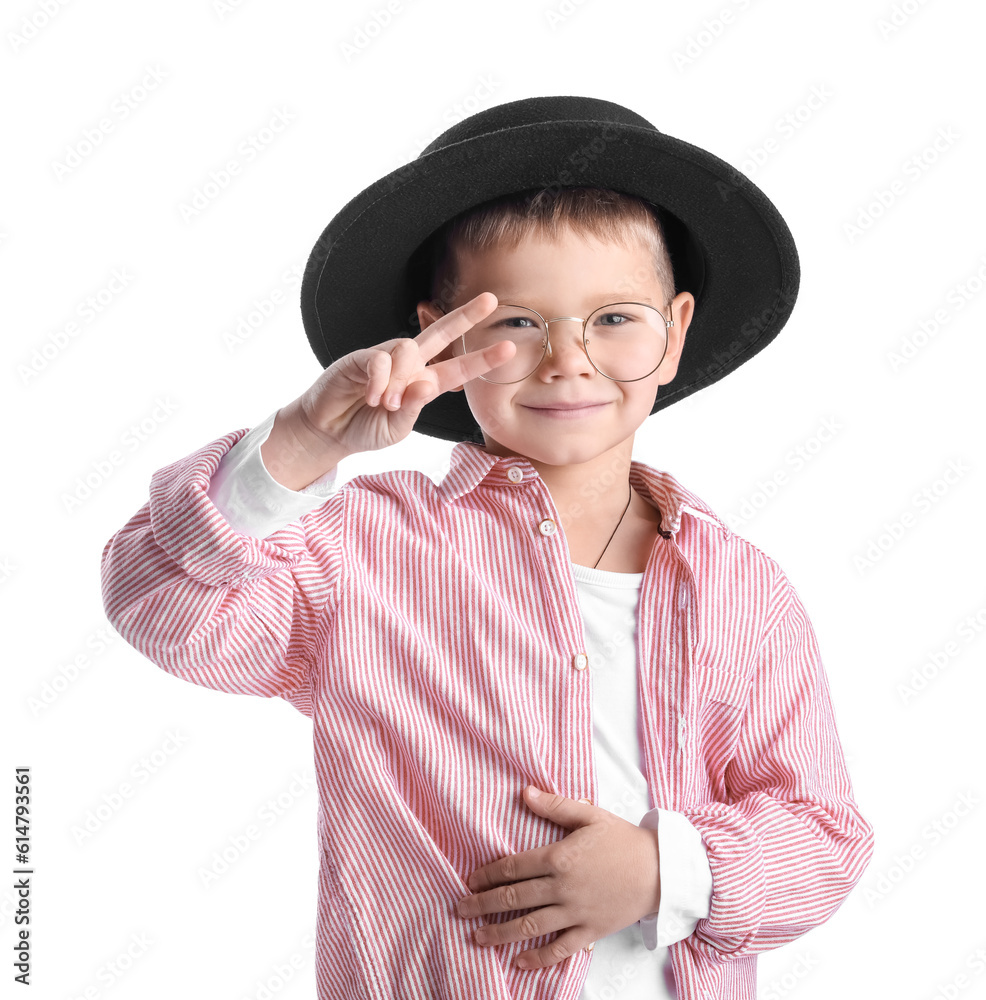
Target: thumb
{"type": "Point", "coordinates": [558, 808]}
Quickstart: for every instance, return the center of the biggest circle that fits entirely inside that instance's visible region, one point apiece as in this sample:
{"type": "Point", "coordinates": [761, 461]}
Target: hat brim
{"type": "Point", "coordinates": [729, 244]}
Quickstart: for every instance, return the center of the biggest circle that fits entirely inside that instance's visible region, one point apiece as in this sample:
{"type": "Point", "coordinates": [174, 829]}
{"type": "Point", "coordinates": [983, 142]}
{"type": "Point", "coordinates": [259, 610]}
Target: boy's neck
{"type": "Point", "coordinates": [591, 498]}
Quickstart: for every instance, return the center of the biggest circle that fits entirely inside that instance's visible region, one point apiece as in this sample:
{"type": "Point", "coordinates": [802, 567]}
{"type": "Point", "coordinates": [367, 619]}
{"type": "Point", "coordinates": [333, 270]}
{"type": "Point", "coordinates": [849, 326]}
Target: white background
{"type": "Point", "coordinates": [154, 357]}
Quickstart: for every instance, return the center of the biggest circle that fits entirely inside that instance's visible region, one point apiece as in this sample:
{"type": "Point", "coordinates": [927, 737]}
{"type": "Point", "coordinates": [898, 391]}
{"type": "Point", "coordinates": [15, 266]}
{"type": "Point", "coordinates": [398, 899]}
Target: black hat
{"type": "Point", "coordinates": [729, 245]}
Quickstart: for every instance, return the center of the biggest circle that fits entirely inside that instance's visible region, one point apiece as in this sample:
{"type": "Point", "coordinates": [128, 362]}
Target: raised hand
{"type": "Point", "coordinates": [371, 398]}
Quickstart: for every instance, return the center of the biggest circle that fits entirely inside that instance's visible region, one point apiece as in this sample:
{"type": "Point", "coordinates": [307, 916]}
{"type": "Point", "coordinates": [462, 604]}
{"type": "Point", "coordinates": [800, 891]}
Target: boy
{"type": "Point", "coordinates": [440, 635]}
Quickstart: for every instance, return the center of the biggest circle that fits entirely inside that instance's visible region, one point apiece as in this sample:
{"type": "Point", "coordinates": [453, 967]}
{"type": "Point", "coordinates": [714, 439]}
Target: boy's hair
{"type": "Point", "coordinates": [505, 221]}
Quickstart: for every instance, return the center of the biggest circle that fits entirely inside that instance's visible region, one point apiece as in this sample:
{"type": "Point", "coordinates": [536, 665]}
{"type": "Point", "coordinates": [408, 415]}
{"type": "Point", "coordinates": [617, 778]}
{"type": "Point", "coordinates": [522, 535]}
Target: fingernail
{"type": "Point", "coordinates": [392, 399]}
{"type": "Point", "coordinates": [534, 793]}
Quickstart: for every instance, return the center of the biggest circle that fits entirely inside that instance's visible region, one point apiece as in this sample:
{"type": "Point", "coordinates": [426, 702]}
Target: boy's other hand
{"type": "Point", "coordinates": [602, 877]}
{"type": "Point", "coordinates": [371, 398]}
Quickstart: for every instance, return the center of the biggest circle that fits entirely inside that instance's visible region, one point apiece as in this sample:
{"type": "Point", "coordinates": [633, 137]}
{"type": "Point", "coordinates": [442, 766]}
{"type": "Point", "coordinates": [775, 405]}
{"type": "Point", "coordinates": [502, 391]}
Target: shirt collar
{"type": "Point", "coordinates": [471, 465]}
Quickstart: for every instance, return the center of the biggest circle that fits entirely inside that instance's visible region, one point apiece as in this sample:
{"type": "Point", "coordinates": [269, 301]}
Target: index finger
{"type": "Point", "coordinates": [510, 868]}
{"type": "Point", "coordinates": [438, 335]}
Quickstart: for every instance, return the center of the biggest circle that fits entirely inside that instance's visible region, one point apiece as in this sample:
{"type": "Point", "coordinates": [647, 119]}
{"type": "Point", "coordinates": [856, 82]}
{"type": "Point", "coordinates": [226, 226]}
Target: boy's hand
{"type": "Point", "coordinates": [348, 409]}
{"type": "Point", "coordinates": [599, 879]}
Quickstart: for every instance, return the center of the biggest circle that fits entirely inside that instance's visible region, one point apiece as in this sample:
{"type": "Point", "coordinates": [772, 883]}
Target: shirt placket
{"type": "Point", "coordinates": [554, 566]}
{"type": "Point", "coordinates": [685, 601]}
{"type": "Point", "coordinates": [665, 643]}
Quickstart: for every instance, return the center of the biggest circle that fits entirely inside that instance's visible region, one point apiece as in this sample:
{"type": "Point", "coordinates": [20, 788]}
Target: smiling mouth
{"type": "Point", "coordinates": [568, 406]}
{"type": "Point", "coordinates": [562, 411]}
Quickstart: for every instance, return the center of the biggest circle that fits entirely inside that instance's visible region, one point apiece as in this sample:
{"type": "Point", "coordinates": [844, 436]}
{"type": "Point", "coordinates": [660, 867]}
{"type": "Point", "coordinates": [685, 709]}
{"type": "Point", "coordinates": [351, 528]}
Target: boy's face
{"type": "Point", "coordinates": [567, 276]}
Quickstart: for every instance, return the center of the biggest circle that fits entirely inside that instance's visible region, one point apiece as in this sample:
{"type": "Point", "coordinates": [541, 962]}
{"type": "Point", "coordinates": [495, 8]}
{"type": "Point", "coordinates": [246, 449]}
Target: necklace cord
{"type": "Point", "coordinates": [617, 528]}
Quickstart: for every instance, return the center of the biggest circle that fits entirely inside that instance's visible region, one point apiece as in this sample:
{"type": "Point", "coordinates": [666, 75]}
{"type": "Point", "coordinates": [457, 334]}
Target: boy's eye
{"type": "Point", "coordinates": [621, 319]}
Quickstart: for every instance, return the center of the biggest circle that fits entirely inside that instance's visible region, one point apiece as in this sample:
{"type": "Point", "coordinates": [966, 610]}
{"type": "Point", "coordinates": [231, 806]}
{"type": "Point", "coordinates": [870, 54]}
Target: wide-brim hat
{"type": "Point", "coordinates": [729, 245]}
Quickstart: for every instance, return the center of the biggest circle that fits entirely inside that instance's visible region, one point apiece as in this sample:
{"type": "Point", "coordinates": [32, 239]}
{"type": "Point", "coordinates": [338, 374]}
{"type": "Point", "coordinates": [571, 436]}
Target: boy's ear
{"type": "Point", "coordinates": [682, 310]}
{"type": "Point", "coordinates": [428, 314]}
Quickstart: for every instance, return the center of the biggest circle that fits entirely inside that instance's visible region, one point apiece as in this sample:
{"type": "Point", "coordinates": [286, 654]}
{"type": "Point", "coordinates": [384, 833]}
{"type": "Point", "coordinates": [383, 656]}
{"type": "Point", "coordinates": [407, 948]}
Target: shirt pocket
{"type": "Point", "coordinates": [729, 688]}
{"type": "Point", "coordinates": [720, 709]}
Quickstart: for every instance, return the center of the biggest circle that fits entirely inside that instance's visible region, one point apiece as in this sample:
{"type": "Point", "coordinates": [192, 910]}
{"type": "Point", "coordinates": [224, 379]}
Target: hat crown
{"type": "Point", "coordinates": [536, 111]}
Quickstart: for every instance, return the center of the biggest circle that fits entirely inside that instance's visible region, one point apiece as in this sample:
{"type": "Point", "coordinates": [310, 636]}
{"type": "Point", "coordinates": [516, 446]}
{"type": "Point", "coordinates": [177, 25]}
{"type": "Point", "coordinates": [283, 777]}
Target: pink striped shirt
{"type": "Point", "coordinates": [434, 636]}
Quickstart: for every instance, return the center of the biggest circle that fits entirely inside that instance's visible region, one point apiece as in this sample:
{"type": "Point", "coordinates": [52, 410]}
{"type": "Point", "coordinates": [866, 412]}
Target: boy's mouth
{"type": "Point", "coordinates": [567, 409]}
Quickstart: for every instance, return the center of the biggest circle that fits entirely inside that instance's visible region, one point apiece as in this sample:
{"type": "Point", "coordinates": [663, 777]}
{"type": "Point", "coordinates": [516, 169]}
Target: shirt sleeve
{"type": "Point", "coordinates": [215, 606]}
{"type": "Point", "coordinates": [250, 499]}
{"type": "Point", "coordinates": [686, 880]}
{"type": "Point", "coordinates": [788, 844]}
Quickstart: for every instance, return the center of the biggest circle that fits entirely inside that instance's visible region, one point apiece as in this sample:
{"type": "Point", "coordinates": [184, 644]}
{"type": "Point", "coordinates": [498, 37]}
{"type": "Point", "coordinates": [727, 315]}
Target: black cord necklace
{"type": "Point", "coordinates": [617, 528]}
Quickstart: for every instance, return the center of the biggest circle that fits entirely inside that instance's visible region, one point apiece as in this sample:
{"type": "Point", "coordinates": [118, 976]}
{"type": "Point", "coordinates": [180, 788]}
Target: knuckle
{"type": "Point", "coordinates": [508, 896]}
{"type": "Point", "coordinates": [401, 352]}
{"type": "Point", "coordinates": [529, 926]}
{"type": "Point", "coordinates": [563, 864]}
{"type": "Point", "coordinates": [559, 950]}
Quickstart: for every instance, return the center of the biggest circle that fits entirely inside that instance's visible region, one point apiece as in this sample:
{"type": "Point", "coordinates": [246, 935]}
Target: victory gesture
{"type": "Point", "coordinates": [371, 398]}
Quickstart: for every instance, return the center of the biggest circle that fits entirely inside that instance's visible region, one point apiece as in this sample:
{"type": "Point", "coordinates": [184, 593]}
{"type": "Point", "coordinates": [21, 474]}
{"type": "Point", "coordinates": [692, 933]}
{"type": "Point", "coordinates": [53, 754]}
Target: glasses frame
{"type": "Point", "coordinates": [546, 353]}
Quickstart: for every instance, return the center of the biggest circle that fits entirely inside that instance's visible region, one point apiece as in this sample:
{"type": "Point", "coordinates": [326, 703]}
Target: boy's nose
{"type": "Point", "coordinates": [564, 336]}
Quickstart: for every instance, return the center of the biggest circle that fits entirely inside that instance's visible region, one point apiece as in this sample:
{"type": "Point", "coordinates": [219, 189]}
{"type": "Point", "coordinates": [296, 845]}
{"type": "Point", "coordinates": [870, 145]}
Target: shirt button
{"type": "Point", "coordinates": [682, 599]}
{"type": "Point", "coordinates": [515, 474]}
{"type": "Point", "coordinates": [547, 526]}
{"type": "Point", "coordinates": [580, 661]}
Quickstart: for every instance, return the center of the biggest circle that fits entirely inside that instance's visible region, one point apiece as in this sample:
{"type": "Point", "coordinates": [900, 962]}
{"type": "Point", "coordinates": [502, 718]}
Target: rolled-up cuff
{"type": "Point", "coordinates": [686, 880]}
{"type": "Point", "coordinates": [250, 499]}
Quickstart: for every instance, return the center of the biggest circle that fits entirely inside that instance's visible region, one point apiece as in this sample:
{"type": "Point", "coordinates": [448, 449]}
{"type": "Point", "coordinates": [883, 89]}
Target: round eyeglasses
{"type": "Point", "coordinates": [624, 341]}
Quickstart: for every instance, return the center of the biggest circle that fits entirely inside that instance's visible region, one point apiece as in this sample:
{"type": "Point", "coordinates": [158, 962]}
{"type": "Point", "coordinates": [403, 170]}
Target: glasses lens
{"type": "Point", "coordinates": [626, 340]}
{"type": "Point", "coordinates": [523, 327]}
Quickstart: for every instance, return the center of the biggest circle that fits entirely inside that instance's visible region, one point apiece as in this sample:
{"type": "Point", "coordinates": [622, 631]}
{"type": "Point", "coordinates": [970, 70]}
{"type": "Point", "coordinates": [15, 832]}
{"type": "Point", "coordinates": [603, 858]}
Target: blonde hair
{"type": "Point", "coordinates": [607, 215]}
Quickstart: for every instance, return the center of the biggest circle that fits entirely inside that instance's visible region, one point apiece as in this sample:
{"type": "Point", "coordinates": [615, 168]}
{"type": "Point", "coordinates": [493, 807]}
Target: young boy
{"type": "Point", "coordinates": [573, 736]}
